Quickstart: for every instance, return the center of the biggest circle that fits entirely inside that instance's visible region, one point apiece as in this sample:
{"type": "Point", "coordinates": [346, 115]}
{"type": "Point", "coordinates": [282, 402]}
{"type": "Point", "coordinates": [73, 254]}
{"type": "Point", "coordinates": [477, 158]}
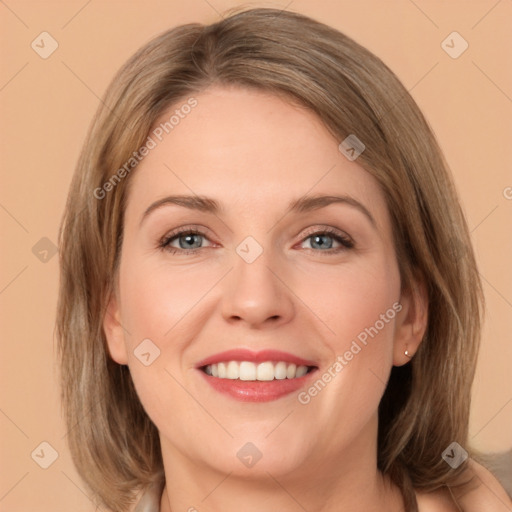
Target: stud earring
{"type": "Point", "coordinates": [407, 354]}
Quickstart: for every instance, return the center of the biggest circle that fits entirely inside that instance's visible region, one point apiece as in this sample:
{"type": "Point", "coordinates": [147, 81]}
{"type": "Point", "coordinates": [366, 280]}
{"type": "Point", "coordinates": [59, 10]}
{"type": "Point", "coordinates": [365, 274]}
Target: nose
{"type": "Point", "coordinates": [256, 294]}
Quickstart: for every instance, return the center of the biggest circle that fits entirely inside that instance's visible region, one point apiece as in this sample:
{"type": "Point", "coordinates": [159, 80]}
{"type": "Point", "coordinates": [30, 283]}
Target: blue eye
{"type": "Point", "coordinates": [190, 241]}
{"type": "Point", "coordinates": [187, 241]}
{"type": "Point", "coordinates": [323, 240]}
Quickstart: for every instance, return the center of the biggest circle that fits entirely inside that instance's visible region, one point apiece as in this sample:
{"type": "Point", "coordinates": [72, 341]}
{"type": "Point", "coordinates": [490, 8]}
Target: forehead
{"type": "Point", "coordinates": [248, 149]}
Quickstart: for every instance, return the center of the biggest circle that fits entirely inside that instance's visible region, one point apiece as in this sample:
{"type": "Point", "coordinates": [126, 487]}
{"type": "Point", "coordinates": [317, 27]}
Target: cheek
{"type": "Point", "coordinates": [157, 300]}
{"type": "Point", "coordinates": [360, 311]}
{"type": "Point", "coordinates": [150, 308]}
{"type": "Point", "coordinates": [162, 305]}
{"type": "Point", "coordinates": [362, 307]}
{"type": "Point", "coordinates": [341, 306]}
{"type": "Point", "coordinates": [353, 299]}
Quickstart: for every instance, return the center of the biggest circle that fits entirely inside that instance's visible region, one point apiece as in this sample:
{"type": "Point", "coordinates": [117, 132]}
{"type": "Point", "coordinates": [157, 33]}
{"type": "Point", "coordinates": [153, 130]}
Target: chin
{"type": "Point", "coordinates": [260, 463]}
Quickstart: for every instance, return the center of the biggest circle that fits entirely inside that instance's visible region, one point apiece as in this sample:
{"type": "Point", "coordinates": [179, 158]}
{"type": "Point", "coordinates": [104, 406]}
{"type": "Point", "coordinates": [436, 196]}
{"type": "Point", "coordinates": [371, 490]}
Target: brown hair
{"type": "Point", "coordinates": [114, 444]}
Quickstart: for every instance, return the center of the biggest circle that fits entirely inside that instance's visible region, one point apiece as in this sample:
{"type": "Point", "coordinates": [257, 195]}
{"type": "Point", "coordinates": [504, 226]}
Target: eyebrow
{"type": "Point", "coordinates": [300, 205]}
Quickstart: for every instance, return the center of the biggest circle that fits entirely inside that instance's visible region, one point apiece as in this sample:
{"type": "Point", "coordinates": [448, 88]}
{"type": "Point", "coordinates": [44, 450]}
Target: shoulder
{"type": "Point", "coordinates": [477, 489]}
{"type": "Point", "coordinates": [436, 501]}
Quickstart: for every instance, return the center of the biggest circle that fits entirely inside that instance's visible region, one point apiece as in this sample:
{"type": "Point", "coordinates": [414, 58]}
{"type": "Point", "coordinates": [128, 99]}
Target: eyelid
{"type": "Point", "coordinates": [325, 229]}
{"type": "Point", "coordinates": [344, 239]}
{"type": "Point", "coordinates": [189, 229]}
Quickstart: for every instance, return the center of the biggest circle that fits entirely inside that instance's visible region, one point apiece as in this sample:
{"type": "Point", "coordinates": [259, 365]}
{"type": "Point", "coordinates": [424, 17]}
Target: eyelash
{"type": "Point", "coordinates": [345, 241]}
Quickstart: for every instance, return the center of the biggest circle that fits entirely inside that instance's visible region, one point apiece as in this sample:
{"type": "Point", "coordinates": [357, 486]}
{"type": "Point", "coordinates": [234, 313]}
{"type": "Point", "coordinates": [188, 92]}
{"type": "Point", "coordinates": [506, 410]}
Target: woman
{"type": "Point", "coordinates": [258, 307]}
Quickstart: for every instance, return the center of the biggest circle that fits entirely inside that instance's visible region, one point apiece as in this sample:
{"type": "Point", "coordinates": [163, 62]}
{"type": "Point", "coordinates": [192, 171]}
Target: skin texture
{"type": "Point", "coordinates": [254, 153]}
{"type": "Point", "coordinates": [478, 489]}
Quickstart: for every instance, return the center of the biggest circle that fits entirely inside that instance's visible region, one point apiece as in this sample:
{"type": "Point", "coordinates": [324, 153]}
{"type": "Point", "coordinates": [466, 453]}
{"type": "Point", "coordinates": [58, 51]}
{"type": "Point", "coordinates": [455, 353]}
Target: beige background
{"type": "Point", "coordinates": [46, 107]}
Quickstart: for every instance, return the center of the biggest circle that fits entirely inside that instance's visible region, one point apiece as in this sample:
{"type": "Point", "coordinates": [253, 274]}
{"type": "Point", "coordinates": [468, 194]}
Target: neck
{"type": "Point", "coordinates": [325, 483]}
{"type": "Point", "coordinates": [230, 495]}
{"type": "Point", "coordinates": [330, 481]}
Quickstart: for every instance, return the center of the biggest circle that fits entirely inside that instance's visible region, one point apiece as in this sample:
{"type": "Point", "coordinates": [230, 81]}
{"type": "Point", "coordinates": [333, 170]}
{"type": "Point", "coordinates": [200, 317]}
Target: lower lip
{"type": "Point", "coordinates": [257, 391]}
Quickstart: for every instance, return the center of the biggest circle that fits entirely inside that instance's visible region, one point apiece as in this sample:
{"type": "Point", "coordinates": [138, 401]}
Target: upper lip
{"type": "Point", "coordinates": [255, 357]}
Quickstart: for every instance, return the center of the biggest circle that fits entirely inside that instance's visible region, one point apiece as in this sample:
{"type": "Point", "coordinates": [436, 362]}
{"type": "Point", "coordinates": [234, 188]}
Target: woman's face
{"type": "Point", "coordinates": [280, 287]}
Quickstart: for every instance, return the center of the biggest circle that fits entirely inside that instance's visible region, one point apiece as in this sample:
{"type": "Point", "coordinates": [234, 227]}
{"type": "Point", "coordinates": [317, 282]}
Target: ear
{"type": "Point", "coordinates": [114, 331]}
{"type": "Point", "coordinates": [411, 322]}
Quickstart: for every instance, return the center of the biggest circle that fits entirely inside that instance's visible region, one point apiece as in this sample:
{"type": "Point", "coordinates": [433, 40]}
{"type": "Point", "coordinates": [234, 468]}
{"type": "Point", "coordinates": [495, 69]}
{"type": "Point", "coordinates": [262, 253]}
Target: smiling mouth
{"type": "Point", "coordinates": [263, 372]}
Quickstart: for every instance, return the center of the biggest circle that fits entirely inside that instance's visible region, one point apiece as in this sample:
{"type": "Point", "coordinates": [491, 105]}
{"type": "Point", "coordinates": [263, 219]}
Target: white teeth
{"type": "Point", "coordinates": [246, 370]}
{"type": "Point", "coordinates": [233, 370]}
{"type": "Point", "coordinates": [301, 371]}
{"type": "Point", "coordinates": [222, 370]}
{"type": "Point", "coordinates": [265, 371]}
{"type": "Point", "coordinates": [291, 371]}
{"type": "Point", "coordinates": [280, 370]}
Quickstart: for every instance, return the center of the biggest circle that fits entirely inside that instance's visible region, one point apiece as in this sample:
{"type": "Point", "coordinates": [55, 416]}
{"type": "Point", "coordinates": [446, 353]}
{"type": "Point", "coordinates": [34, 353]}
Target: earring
{"type": "Point", "coordinates": [407, 354]}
